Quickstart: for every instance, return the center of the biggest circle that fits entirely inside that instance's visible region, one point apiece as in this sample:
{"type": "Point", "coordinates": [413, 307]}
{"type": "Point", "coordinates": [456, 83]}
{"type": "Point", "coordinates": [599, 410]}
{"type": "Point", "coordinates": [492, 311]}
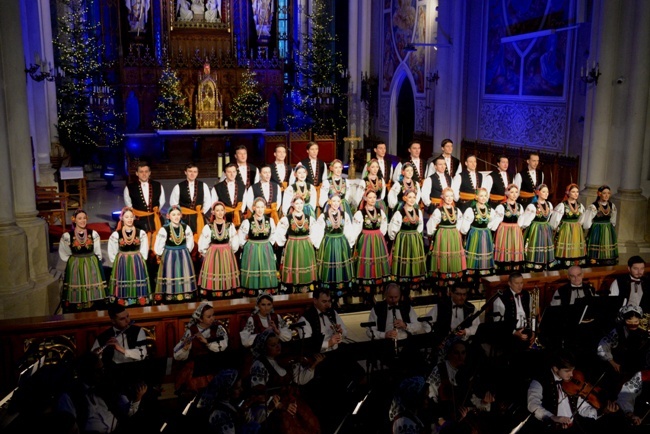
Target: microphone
{"type": "Point", "coordinates": [368, 324]}
{"type": "Point", "coordinates": [297, 325]}
{"type": "Point", "coordinates": [425, 318]}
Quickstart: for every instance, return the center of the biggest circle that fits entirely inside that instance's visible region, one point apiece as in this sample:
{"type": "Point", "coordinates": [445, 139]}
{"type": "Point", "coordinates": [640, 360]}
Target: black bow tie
{"type": "Point", "coordinates": [519, 295]}
{"type": "Point", "coordinates": [322, 314]}
{"type": "Point", "coordinates": [575, 288]}
{"type": "Point", "coordinates": [393, 308]}
{"type": "Point", "coordinates": [635, 280]}
{"type": "Point", "coordinates": [458, 306]}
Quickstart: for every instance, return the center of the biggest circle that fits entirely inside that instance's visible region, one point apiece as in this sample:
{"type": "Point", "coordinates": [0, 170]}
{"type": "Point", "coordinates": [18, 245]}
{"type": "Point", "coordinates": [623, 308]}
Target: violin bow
{"type": "Point", "coordinates": [587, 395]}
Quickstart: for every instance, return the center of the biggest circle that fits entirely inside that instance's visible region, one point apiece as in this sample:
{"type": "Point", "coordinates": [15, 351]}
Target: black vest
{"type": "Point", "coordinates": [510, 315]}
{"type": "Point", "coordinates": [312, 315]}
{"type": "Point", "coordinates": [184, 198]}
{"type": "Point", "coordinates": [455, 162]}
{"type": "Point", "coordinates": [321, 168]}
{"type": "Point", "coordinates": [497, 183]}
{"type": "Point", "coordinates": [382, 175]}
{"type": "Point", "coordinates": [527, 181]}
{"type": "Point", "coordinates": [224, 196]}
{"type": "Point", "coordinates": [625, 286]}
{"type": "Point", "coordinates": [137, 199]}
{"type": "Point", "coordinates": [564, 292]}
{"type": "Point", "coordinates": [250, 175]}
{"type": "Point", "coordinates": [274, 192]}
{"type": "Point", "coordinates": [275, 176]}
{"type": "Point", "coordinates": [466, 185]}
{"type": "Point", "coordinates": [131, 334]}
{"type": "Point", "coordinates": [436, 185]}
{"type": "Point", "coordinates": [445, 313]}
{"type": "Point", "coordinates": [381, 310]}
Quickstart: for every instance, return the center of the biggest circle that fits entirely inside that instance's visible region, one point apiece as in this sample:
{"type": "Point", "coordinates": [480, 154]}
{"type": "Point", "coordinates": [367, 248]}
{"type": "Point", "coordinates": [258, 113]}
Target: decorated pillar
{"type": "Point", "coordinates": [23, 248]}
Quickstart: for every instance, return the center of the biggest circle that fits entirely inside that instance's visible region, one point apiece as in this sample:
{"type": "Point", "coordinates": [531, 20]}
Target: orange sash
{"type": "Point", "coordinates": [156, 222]}
{"type": "Point", "coordinates": [273, 212]}
{"type": "Point", "coordinates": [200, 221]}
{"type": "Point", "coordinates": [497, 197]}
{"type": "Point", "coordinates": [236, 217]}
{"type": "Point", "coordinates": [526, 194]}
{"type": "Point", "coordinates": [436, 201]}
{"type": "Point", "coordinates": [283, 185]}
{"type": "Point", "coordinates": [467, 196]}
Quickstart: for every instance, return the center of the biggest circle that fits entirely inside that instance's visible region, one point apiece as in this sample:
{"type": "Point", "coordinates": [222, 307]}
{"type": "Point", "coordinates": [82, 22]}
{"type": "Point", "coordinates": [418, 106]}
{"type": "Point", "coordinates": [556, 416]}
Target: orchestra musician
{"type": "Point", "coordinates": [576, 289]}
{"type": "Point", "coordinates": [123, 342]}
{"type": "Point", "coordinates": [633, 286]}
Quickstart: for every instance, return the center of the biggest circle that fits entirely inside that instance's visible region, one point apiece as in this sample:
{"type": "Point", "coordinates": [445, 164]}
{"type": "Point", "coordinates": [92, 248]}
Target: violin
{"type": "Point", "coordinates": [578, 386]}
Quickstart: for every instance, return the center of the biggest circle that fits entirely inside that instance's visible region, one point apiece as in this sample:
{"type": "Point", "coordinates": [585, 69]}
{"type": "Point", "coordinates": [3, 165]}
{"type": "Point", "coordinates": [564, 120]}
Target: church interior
{"type": "Point", "coordinates": [92, 89]}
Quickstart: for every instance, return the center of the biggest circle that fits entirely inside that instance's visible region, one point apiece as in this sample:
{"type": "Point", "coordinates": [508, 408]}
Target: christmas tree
{"type": "Point", "coordinates": [316, 103]}
{"type": "Point", "coordinates": [248, 108]}
{"type": "Point", "coordinates": [171, 112]}
{"type": "Point", "coordinates": [84, 101]}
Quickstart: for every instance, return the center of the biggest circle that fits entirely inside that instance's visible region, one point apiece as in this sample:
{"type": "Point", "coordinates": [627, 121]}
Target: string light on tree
{"type": "Point", "coordinates": [248, 107]}
{"type": "Point", "coordinates": [171, 112]}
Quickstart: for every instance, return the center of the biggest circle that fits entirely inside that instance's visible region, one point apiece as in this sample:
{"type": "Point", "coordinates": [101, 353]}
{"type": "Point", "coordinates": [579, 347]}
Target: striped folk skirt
{"type": "Point", "coordinates": [219, 275]}
{"type": "Point", "coordinates": [602, 244]}
{"type": "Point", "coordinates": [539, 250]}
{"type": "Point", "coordinates": [479, 251]}
{"type": "Point", "coordinates": [509, 247]}
{"type": "Point", "coordinates": [298, 266]}
{"type": "Point", "coordinates": [129, 284]}
{"type": "Point", "coordinates": [447, 255]}
{"type": "Point", "coordinates": [570, 245]}
{"type": "Point", "coordinates": [84, 284]}
{"type": "Point", "coordinates": [408, 257]}
{"type": "Point", "coordinates": [176, 281]}
{"type": "Point", "coordinates": [258, 272]}
{"type": "Point", "coordinates": [371, 260]}
{"type": "Point", "coordinates": [334, 261]}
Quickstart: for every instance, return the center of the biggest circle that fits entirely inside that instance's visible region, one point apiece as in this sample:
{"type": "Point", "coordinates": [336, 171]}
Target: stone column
{"type": "Point", "coordinates": [605, 45]}
{"type": "Point", "coordinates": [633, 206]}
{"type": "Point", "coordinates": [30, 255]}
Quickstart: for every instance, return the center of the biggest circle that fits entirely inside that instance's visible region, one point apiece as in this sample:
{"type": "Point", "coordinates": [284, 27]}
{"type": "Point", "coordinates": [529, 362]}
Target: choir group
{"type": "Point", "coordinates": [280, 229]}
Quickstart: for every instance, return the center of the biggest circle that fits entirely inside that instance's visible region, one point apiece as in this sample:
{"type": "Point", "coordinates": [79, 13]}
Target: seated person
{"type": "Point", "coordinates": [263, 318]}
{"type": "Point", "coordinates": [408, 406]}
{"type": "Point", "coordinates": [574, 290]}
{"type": "Point", "coordinates": [123, 342]}
{"type": "Point", "coordinates": [634, 285]}
{"type": "Point", "coordinates": [552, 407]}
{"type": "Point", "coordinates": [634, 396]}
{"type": "Point", "coordinates": [323, 324]}
{"type": "Point", "coordinates": [625, 348]}
{"type": "Point", "coordinates": [512, 310]}
{"type": "Point", "coordinates": [450, 385]}
{"type": "Point", "coordinates": [450, 312]}
{"type": "Point", "coordinates": [93, 401]}
{"type": "Point", "coordinates": [394, 317]}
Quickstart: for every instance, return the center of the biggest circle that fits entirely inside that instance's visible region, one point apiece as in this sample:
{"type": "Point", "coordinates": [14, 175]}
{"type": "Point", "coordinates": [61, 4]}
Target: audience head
{"type": "Point", "coordinates": [516, 282]}
{"type": "Point", "coordinates": [392, 294]}
{"type": "Point", "coordinates": [322, 299]}
{"type": "Point", "coordinates": [636, 266]}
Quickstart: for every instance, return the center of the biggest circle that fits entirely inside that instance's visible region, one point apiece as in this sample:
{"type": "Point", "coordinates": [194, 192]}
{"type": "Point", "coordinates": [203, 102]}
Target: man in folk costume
{"type": "Point", "coordinates": [434, 184]}
{"type": "Point", "coordinates": [194, 199]}
{"type": "Point", "coordinates": [146, 197]}
{"type": "Point", "coordinates": [528, 179]}
{"type": "Point", "coordinates": [419, 172]}
{"type": "Point", "coordinates": [466, 183]}
{"type": "Point", "coordinates": [269, 190]}
{"type": "Point", "coordinates": [497, 182]}
{"type": "Point", "coordinates": [452, 164]}
{"type": "Point", "coordinates": [280, 168]}
{"type": "Point", "coordinates": [231, 192]}
{"type": "Point", "coordinates": [246, 172]}
{"type": "Point", "coordinates": [633, 287]}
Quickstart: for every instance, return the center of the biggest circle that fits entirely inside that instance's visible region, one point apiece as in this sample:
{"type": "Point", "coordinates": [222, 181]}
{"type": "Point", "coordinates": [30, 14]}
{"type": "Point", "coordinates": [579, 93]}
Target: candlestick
{"type": "Point", "coordinates": [367, 155]}
{"type": "Point", "coordinates": [227, 158]}
{"type": "Point", "coordinates": [219, 164]}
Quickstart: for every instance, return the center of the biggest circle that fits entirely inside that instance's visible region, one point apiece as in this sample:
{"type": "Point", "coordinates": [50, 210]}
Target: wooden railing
{"type": "Point", "coordinates": [165, 325]}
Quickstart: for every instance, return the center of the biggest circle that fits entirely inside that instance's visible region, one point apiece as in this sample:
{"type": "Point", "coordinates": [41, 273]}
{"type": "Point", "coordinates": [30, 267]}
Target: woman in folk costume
{"type": "Point", "coordinates": [84, 284]}
{"type": "Point", "coordinates": [479, 247]}
{"type": "Point", "coordinates": [336, 185]}
{"type": "Point", "coordinates": [599, 221]}
{"type": "Point", "coordinates": [298, 270]}
{"type": "Point", "coordinates": [509, 238]}
{"type": "Point", "coordinates": [408, 257]}
{"type": "Point", "coordinates": [202, 337]}
{"type": "Point", "coordinates": [371, 258]}
{"type": "Point", "coordinates": [333, 237]}
{"type": "Point", "coordinates": [128, 247]}
{"type": "Point", "coordinates": [447, 261]}
{"type": "Point", "coordinates": [219, 277]}
{"type": "Point", "coordinates": [256, 234]}
{"type": "Point", "coordinates": [275, 387]}
{"type": "Point", "coordinates": [404, 184]}
{"type": "Point", "coordinates": [409, 400]}
{"type": "Point", "coordinates": [303, 189]}
{"type": "Point", "coordinates": [372, 181]}
{"type": "Point", "coordinates": [176, 281]}
{"type": "Point", "coordinates": [264, 318]}
{"type": "Point", "coordinates": [566, 219]}
{"type": "Point", "coordinates": [539, 251]}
